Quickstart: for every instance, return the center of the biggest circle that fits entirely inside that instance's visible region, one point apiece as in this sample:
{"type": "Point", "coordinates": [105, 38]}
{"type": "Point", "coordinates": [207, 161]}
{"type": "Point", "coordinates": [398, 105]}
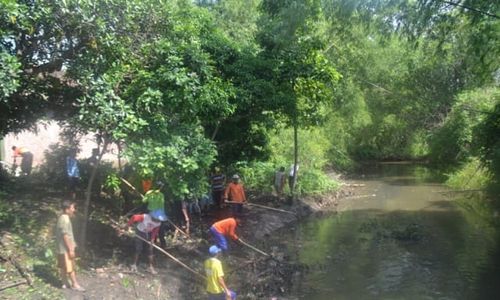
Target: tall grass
{"type": "Point", "coordinates": [471, 176]}
{"type": "Point", "coordinates": [314, 148]}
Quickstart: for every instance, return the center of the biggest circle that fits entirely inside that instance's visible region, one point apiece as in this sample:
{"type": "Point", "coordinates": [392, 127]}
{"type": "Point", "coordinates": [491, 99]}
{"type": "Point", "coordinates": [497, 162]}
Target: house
{"type": "Point", "coordinates": [39, 140]}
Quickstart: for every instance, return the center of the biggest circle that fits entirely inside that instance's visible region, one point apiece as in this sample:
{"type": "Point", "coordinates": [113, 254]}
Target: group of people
{"type": "Point", "coordinates": [151, 225]}
{"type": "Point", "coordinates": [280, 179]}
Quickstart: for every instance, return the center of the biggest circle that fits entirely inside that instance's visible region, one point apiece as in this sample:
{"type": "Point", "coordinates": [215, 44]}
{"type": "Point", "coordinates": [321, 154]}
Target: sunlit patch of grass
{"type": "Point", "coordinates": [471, 176]}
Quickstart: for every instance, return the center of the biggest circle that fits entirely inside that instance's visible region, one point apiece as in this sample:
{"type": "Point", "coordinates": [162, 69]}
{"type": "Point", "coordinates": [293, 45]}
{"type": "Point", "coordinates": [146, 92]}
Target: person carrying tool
{"type": "Point", "coordinates": [225, 228]}
{"type": "Point", "coordinates": [235, 193]}
{"type": "Point", "coordinates": [27, 158]}
{"type": "Point", "coordinates": [148, 226]}
{"type": "Point", "coordinates": [216, 286]}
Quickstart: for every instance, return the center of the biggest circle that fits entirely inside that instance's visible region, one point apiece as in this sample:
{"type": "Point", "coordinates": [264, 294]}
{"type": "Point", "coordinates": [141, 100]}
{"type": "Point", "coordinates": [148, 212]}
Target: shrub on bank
{"type": "Point", "coordinates": [258, 176]}
{"type": "Point", "coordinates": [471, 176]}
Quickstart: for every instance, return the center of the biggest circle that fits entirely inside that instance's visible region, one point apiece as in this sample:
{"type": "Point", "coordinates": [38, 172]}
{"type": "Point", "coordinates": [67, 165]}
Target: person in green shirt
{"type": "Point", "coordinates": [154, 198]}
{"type": "Point", "coordinates": [216, 286]}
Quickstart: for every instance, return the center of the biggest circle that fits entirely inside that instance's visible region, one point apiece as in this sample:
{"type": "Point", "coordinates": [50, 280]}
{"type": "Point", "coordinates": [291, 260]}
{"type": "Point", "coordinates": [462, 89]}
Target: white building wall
{"type": "Point", "coordinates": [46, 135]}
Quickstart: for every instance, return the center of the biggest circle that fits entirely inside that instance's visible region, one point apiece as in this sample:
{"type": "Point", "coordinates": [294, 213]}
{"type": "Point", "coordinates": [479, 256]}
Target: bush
{"type": "Point", "coordinates": [487, 139]}
{"type": "Point", "coordinates": [6, 215]}
{"type": "Point", "coordinates": [471, 176]}
{"type": "Point", "coordinates": [314, 182]}
{"type": "Point", "coordinates": [53, 170]}
{"type": "Point", "coordinates": [451, 144]}
{"type": "Point", "coordinates": [258, 176]}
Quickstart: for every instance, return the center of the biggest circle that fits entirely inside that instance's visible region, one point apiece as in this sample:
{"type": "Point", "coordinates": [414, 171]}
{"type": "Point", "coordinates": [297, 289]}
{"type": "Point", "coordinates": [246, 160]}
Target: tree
{"type": "Point", "coordinates": [302, 77]}
{"type": "Point", "coordinates": [155, 97]}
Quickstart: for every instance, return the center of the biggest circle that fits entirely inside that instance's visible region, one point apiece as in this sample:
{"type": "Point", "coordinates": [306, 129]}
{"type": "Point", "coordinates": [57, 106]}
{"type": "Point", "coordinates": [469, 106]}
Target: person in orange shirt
{"type": "Point", "coordinates": [27, 158]}
{"type": "Point", "coordinates": [225, 228]}
{"type": "Point", "coordinates": [235, 193]}
{"type": "Point", "coordinates": [147, 184]}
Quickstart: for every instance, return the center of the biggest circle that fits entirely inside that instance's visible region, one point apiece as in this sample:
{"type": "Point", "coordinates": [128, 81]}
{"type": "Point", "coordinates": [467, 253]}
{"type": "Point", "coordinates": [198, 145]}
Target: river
{"type": "Point", "coordinates": [400, 237]}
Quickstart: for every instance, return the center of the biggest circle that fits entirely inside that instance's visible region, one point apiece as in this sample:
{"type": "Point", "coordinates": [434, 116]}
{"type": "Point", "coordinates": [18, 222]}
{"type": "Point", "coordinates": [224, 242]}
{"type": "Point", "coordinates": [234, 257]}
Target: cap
{"type": "Point", "coordinates": [159, 214]}
{"type": "Point", "coordinates": [236, 176]}
{"type": "Point", "coordinates": [214, 250]}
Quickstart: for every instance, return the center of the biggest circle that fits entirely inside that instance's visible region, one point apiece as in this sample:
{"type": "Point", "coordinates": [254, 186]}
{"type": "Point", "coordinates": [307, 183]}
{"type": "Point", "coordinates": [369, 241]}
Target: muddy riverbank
{"type": "Point", "coordinates": [105, 271]}
{"type": "Point", "coordinates": [251, 274]}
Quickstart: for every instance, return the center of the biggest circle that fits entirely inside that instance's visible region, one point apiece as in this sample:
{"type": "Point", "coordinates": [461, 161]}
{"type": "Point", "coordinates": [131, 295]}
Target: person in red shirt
{"type": "Point", "coordinates": [235, 193]}
{"type": "Point", "coordinates": [148, 226]}
{"type": "Point", "coordinates": [225, 228]}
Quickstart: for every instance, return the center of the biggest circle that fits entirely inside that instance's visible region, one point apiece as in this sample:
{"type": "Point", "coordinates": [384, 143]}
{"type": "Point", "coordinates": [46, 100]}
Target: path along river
{"type": "Point", "coordinates": [403, 239]}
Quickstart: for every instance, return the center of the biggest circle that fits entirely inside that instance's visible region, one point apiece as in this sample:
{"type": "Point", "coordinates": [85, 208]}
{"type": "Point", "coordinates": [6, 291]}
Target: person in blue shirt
{"type": "Point", "coordinates": [73, 172]}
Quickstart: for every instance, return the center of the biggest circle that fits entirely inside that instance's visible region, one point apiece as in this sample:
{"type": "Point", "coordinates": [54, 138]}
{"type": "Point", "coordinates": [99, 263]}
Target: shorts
{"type": "Point", "coordinates": [139, 244]}
{"type": "Point", "coordinates": [220, 239]}
{"type": "Point", "coordinates": [65, 263]}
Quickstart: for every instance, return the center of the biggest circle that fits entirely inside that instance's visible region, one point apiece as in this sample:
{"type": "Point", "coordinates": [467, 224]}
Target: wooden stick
{"type": "Point", "coordinates": [177, 228]}
{"type": "Point", "coordinates": [131, 186]}
{"type": "Point", "coordinates": [20, 269]}
{"type": "Point", "coordinates": [142, 196]}
{"type": "Point", "coordinates": [253, 248]}
{"type": "Point", "coordinates": [163, 251]}
{"type": "Point", "coordinates": [169, 255]}
{"type": "Point", "coordinates": [262, 206]}
{"type": "Point", "coordinates": [460, 191]}
{"type": "Point", "coordinates": [13, 284]}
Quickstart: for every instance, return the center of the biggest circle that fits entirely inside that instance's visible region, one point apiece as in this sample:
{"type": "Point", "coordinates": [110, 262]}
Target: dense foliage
{"type": "Point", "coordinates": [187, 84]}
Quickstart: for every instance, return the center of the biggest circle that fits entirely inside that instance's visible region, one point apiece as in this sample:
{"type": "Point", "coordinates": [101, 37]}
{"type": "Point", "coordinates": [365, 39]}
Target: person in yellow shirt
{"type": "Point", "coordinates": [216, 286]}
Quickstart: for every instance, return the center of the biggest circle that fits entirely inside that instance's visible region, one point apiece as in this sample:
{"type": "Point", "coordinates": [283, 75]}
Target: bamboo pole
{"type": "Point", "coordinates": [163, 251]}
{"type": "Point", "coordinates": [253, 248]}
{"type": "Point", "coordinates": [262, 206]}
{"type": "Point", "coordinates": [142, 196]}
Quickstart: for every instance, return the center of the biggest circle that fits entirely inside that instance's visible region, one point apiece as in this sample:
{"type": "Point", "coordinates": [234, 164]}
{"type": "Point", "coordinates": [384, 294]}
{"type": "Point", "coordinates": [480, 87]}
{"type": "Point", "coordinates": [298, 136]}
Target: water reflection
{"type": "Point", "coordinates": [407, 242]}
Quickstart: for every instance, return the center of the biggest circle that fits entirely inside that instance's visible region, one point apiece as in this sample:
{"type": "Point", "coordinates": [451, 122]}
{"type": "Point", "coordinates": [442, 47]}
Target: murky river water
{"type": "Point", "coordinates": [399, 239]}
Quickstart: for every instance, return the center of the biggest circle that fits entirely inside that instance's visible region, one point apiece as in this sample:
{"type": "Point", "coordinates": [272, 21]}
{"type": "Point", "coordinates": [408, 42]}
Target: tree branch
{"type": "Point", "coordinates": [471, 9]}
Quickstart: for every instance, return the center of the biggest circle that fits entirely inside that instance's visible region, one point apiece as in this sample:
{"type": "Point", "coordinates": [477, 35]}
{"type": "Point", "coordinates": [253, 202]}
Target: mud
{"type": "Point", "coordinates": [105, 271]}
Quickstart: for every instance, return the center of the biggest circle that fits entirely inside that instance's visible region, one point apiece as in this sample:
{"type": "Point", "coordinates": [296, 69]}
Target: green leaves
{"type": "Point", "coordinates": [9, 74]}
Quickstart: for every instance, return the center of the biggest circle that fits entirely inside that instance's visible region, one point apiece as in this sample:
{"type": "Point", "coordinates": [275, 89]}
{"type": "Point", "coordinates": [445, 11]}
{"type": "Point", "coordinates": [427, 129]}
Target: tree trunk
{"type": "Point", "coordinates": [120, 168]}
{"type": "Point", "coordinates": [88, 195]}
{"type": "Point", "coordinates": [295, 157]}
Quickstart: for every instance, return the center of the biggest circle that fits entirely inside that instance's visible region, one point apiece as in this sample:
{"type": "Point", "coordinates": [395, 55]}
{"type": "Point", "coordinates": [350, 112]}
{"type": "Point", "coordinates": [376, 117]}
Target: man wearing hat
{"type": "Point", "coordinates": [235, 194]}
{"type": "Point", "coordinates": [216, 286]}
{"type": "Point", "coordinates": [148, 226]}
